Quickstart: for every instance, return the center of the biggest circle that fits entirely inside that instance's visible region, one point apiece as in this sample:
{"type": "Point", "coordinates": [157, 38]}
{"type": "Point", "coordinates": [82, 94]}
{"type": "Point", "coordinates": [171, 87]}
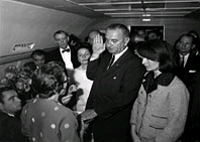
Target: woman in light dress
{"type": "Point", "coordinates": [83, 83]}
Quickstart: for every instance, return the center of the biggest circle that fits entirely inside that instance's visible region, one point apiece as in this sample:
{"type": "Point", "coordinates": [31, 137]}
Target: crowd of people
{"type": "Point", "coordinates": [107, 88]}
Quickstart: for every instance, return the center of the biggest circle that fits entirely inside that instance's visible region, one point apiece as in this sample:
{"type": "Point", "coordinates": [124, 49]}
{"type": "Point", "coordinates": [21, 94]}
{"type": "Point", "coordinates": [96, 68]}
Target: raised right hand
{"type": "Point", "coordinates": [98, 46]}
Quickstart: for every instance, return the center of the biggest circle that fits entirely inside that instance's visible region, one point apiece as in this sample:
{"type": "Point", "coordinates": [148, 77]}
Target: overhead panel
{"type": "Point", "coordinates": [122, 8]}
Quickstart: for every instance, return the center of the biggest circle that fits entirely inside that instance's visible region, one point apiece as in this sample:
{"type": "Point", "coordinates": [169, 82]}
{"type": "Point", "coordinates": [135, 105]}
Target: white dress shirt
{"type": "Point", "coordinates": [118, 55]}
{"type": "Point", "coordinates": [185, 58]}
{"type": "Point", "coordinates": [66, 56]}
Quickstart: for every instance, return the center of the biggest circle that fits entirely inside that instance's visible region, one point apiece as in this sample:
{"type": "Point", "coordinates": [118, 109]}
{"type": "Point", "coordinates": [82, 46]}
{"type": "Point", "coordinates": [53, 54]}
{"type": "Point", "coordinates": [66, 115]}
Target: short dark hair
{"type": "Point", "coordinates": [38, 52]}
{"type": "Point", "coordinates": [158, 50]}
{"type": "Point", "coordinates": [60, 32]}
{"type": "Point", "coordinates": [86, 46]}
{"type": "Point", "coordinates": [122, 27]}
{"type": "Point", "coordinates": [2, 90]}
{"type": "Point", "coordinates": [97, 31]}
{"type": "Point", "coordinates": [187, 35]}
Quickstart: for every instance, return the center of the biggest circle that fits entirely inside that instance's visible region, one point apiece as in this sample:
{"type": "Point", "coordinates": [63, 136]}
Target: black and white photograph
{"type": "Point", "coordinates": [99, 71]}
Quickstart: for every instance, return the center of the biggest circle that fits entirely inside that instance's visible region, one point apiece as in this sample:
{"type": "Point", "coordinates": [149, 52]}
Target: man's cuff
{"type": "Point", "coordinates": [94, 57]}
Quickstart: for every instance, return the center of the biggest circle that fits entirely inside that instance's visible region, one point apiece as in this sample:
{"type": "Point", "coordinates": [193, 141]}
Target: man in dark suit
{"type": "Point", "coordinates": [117, 75]}
{"type": "Point", "coordinates": [10, 104]}
{"type": "Point", "coordinates": [188, 65]}
{"type": "Point", "coordinates": [188, 61]}
{"type": "Point", "coordinates": [39, 58]}
{"type": "Point", "coordinates": [66, 51]}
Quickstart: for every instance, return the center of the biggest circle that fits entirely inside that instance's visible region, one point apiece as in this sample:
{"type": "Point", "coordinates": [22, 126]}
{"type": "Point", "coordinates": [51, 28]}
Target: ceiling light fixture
{"type": "Point", "coordinates": [138, 2]}
{"type": "Point", "coordinates": [148, 9]}
{"type": "Point", "coordinates": [146, 20]}
{"type": "Point", "coordinates": [157, 12]}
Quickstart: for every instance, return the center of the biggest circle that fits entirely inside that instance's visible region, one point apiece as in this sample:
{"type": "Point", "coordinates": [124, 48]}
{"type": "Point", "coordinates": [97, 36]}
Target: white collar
{"type": "Point", "coordinates": [9, 114]}
{"type": "Point", "coordinates": [61, 49]}
{"type": "Point", "coordinates": [185, 56]}
{"type": "Point", "coordinates": [118, 55]}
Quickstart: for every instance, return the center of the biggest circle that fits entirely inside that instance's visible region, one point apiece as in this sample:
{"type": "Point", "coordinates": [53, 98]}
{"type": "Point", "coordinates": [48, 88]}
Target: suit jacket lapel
{"type": "Point", "coordinates": [190, 62]}
{"type": "Point", "coordinates": [118, 62]}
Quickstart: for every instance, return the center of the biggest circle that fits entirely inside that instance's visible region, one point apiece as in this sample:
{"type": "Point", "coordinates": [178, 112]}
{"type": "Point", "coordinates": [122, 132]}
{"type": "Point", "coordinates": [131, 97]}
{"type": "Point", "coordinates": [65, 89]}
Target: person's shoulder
{"type": "Point", "coordinates": [134, 58]}
{"type": "Point", "coordinates": [62, 110]}
{"type": "Point", "coordinates": [31, 63]}
{"type": "Point", "coordinates": [6, 120]}
{"type": "Point", "coordinates": [3, 116]}
{"type": "Point", "coordinates": [53, 50]}
{"type": "Point", "coordinates": [177, 83]}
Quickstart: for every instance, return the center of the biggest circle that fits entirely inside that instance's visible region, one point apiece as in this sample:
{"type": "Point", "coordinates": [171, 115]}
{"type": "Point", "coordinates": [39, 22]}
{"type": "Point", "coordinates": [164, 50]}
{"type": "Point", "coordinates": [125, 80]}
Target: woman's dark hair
{"type": "Point", "coordinates": [158, 50]}
{"type": "Point", "coordinates": [48, 79]}
{"type": "Point", "coordinates": [44, 84]}
{"type": "Point", "coordinates": [86, 46]}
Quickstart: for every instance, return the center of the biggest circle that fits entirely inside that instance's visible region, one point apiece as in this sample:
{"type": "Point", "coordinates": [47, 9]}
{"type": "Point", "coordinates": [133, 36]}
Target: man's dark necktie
{"type": "Point", "coordinates": [182, 61]}
{"type": "Point", "coordinates": [111, 62]}
{"type": "Point", "coordinates": [65, 50]}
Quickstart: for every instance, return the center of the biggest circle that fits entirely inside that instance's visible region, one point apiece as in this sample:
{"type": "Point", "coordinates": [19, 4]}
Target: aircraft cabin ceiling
{"type": "Point", "coordinates": [123, 8]}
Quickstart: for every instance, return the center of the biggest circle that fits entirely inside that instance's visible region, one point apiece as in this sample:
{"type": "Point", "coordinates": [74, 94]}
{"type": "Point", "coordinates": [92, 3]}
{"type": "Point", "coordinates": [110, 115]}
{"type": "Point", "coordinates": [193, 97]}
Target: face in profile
{"type": "Point", "coordinates": [11, 103]}
{"type": "Point", "coordinates": [38, 60]}
{"type": "Point", "coordinates": [185, 45]}
{"type": "Point", "coordinates": [115, 41]}
{"type": "Point", "coordinates": [149, 64]}
{"type": "Point", "coordinates": [83, 55]}
{"type": "Point", "coordinates": [62, 40]}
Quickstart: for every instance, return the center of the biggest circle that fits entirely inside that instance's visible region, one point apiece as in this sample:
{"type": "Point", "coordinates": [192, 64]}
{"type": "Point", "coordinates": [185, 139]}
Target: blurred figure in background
{"type": "Point", "coordinates": [39, 58]}
{"type": "Point", "coordinates": [153, 34]}
{"type": "Point", "coordinates": [92, 34]}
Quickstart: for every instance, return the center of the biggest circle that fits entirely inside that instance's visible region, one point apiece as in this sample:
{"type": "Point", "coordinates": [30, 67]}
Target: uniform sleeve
{"type": "Point", "coordinates": [179, 99]}
{"type": "Point", "coordinates": [92, 68]}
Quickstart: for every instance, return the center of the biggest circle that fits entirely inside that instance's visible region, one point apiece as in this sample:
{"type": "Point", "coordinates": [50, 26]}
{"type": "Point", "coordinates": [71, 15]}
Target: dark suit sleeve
{"type": "Point", "coordinates": [95, 65]}
{"type": "Point", "coordinates": [12, 130]}
{"type": "Point", "coordinates": [92, 68]}
{"type": "Point", "coordinates": [53, 55]}
{"type": "Point", "coordinates": [126, 94]}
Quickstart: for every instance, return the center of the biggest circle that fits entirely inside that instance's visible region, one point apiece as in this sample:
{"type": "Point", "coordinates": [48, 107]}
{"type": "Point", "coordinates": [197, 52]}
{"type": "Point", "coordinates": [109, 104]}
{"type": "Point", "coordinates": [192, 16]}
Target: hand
{"type": "Point", "coordinates": [66, 99]}
{"type": "Point", "coordinates": [63, 92]}
{"type": "Point", "coordinates": [98, 46]}
{"type": "Point", "coordinates": [88, 115]}
{"type": "Point", "coordinates": [72, 88]}
{"type": "Point", "coordinates": [135, 137]}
